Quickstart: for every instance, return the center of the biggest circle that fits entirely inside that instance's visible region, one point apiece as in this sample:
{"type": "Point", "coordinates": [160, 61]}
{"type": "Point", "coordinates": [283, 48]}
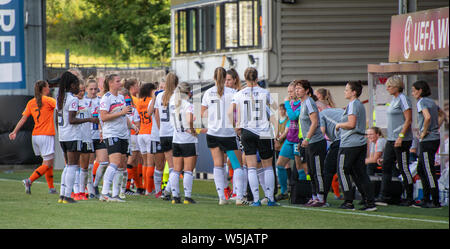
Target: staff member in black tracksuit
{"type": "Point", "coordinates": [399, 140]}
{"type": "Point", "coordinates": [430, 118]}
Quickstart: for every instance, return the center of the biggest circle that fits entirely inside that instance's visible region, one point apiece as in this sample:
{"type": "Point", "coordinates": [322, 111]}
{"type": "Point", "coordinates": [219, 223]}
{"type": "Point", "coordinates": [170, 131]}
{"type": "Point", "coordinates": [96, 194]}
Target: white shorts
{"type": "Point", "coordinates": [134, 144]}
{"type": "Point", "coordinates": [145, 143]}
{"type": "Point", "coordinates": [44, 146]}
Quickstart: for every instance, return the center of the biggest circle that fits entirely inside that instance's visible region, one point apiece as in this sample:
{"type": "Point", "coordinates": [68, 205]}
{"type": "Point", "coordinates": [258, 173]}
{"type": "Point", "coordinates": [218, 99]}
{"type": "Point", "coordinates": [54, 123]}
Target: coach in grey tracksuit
{"type": "Point", "coordinates": [430, 118]}
{"type": "Point", "coordinates": [353, 150]}
{"type": "Point", "coordinates": [399, 140]}
{"type": "Point", "coordinates": [328, 119]}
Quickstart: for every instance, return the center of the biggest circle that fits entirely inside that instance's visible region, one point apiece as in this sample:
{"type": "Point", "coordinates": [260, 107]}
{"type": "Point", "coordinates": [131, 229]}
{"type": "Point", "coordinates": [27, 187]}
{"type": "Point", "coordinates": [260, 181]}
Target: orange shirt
{"type": "Point", "coordinates": [146, 121]}
{"type": "Point", "coordinates": [43, 118]}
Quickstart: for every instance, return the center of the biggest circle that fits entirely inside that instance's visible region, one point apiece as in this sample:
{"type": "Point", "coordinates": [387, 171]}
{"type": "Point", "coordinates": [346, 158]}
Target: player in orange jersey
{"type": "Point", "coordinates": [41, 108]}
{"type": "Point", "coordinates": [144, 137]}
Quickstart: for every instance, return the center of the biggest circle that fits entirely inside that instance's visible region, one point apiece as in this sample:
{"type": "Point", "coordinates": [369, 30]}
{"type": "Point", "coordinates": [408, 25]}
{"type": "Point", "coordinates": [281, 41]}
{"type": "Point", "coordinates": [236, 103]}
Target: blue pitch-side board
{"type": "Point", "coordinates": [12, 48]}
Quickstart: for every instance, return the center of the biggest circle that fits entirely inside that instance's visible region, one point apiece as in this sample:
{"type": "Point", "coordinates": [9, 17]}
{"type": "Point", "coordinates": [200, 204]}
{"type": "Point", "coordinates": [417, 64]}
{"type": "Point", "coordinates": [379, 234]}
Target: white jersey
{"type": "Point", "coordinates": [219, 123]}
{"type": "Point", "coordinates": [252, 104]}
{"type": "Point", "coordinates": [134, 116]}
{"type": "Point", "coordinates": [67, 131]}
{"type": "Point", "coordinates": [116, 127]}
{"type": "Point", "coordinates": [82, 113]}
{"type": "Point", "coordinates": [154, 136]}
{"type": "Point", "coordinates": [94, 106]}
{"type": "Point", "coordinates": [165, 126]}
{"type": "Point", "coordinates": [180, 124]}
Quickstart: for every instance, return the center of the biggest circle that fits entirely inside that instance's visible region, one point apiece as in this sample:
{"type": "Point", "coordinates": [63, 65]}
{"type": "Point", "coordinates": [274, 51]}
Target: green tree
{"type": "Point", "coordinates": [119, 27]}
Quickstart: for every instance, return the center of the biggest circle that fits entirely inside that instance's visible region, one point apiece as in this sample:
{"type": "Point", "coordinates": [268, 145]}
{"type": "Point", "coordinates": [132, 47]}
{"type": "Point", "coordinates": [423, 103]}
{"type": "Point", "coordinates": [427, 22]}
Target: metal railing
{"type": "Point", "coordinates": [138, 65]}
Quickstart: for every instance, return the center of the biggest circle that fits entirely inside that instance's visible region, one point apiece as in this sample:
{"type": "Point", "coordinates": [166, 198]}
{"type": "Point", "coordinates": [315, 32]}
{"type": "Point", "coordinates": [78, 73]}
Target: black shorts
{"type": "Point", "coordinates": [155, 147]}
{"type": "Point", "coordinates": [184, 150]}
{"type": "Point", "coordinates": [71, 146]}
{"type": "Point", "coordinates": [166, 143]}
{"type": "Point", "coordinates": [116, 145]}
{"type": "Point", "coordinates": [224, 143]}
{"type": "Point", "coordinates": [253, 143]}
{"type": "Point", "coordinates": [87, 148]}
{"type": "Point", "coordinates": [99, 145]}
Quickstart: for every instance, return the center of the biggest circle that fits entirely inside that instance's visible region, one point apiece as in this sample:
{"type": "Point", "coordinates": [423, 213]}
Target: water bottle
{"type": "Point", "coordinates": [95, 125]}
{"type": "Point", "coordinates": [128, 102]}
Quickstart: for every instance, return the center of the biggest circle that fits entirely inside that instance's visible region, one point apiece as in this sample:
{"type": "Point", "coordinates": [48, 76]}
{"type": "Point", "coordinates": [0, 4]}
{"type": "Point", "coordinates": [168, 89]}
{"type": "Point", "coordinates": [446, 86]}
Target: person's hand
{"type": "Point", "coordinates": [380, 161]}
{"type": "Point", "coordinates": [423, 135]}
{"type": "Point", "coordinates": [305, 143]}
{"type": "Point", "coordinates": [338, 126]}
{"type": "Point", "coordinates": [134, 127]}
{"type": "Point", "coordinates": [204, 130]}
{"type": "Point", "coordinates": [126, 110]}
{"type": "Point", "coordinates": [12, 136]}
{"type": "Point", "coordinates": [398, 142]}
{"type": "Point", "coordinates": [95, 120]}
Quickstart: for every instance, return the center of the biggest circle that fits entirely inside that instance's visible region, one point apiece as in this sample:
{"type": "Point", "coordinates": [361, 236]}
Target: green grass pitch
{"type": "Point", "coordinates": [40, 210]}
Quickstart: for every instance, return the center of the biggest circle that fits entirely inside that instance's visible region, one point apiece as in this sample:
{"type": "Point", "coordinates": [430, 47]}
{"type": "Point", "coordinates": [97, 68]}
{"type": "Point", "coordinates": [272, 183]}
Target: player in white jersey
{"type": "Point", "coordinates": [163, 117]}
{"type": "Point", "coordinates": [253, 123]}
{"type": "Point", "coordinates": [113, 111]}
{"type": "Point", "coordinates": [81, 180]}
{"type": "Point", "coordinates": [221, 137]}
{"type": "Point", "coordinates": [185, 142]}
{"type": "Point", "coordinates": [98, 161]}
{"type": "Point", "coordinates": [156, 150]}
{"type": "Point", "coordinates": [69, 132]}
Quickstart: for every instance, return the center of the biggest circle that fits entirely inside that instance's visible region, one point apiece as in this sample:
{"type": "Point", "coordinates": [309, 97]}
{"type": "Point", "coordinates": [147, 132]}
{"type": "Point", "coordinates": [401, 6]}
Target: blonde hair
{"type": "Point", "coordinates": [396, 81]}
{"type": "Point", "coordinates": [327, 99]}
{"type": "Point", "coordinates": [219, 77]}
{"type": "Point", "coordinates": [181, 92]}
{"type": "Point", "coordinates": [171, 84]}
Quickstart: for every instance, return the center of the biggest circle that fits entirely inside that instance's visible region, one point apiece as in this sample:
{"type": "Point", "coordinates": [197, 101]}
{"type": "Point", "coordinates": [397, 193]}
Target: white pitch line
{"type": "Point", "coordinates": [311, 209]}
{"type": "Point", "coordinates": [366, 214]}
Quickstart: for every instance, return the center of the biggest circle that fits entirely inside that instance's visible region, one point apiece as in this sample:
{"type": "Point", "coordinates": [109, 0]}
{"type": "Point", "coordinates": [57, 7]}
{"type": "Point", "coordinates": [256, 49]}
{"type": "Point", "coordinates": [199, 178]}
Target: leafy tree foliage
{"type": "Point", "coordinates": [120, 27]}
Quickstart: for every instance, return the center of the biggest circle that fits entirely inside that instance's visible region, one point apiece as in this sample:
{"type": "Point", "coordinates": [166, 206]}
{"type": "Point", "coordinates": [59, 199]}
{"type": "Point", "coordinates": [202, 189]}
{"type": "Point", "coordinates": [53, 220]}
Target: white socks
{"type": "Point", "coordinates": [108, 178]}
{"type": "Point", "coordinates": [219, 181]}
{"type": "Point", "coordinates": [62, 189]}
{"type": "Point", "coordinates": [69, 179]}
{"type": "Point", "coordinates": [99, 174]}
{"type": "Point", "coordinates": [254, 184]}
{"type": "Point", "coordinates": [269, 182]}
{"type": "Point", "coordinates": [158, 179]}
{"type": "Point", "coordinates": [174, 179]}
{"type": "Point", "coordinates": [187, 183]}
{"type": "Point", "coordinates": [238, 182]}
{"type": "Point", "coordinates": [117, 181]}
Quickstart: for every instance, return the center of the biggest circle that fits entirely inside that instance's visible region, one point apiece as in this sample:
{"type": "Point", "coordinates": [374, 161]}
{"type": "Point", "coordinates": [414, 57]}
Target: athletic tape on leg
{"type": "Point", "coordinates": [233, 159]}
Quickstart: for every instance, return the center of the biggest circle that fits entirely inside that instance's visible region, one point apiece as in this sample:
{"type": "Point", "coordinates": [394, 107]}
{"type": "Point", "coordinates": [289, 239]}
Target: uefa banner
{"type": "Point", "coordinates": [12, 48]}
{"type": "Point", "coordinates": [419, 36]}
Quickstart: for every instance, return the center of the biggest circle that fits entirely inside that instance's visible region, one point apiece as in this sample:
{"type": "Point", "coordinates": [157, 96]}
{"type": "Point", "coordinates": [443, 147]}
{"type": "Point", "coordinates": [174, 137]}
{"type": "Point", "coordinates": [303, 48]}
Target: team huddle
{"type": "Point", "coordinates": [126, 132]}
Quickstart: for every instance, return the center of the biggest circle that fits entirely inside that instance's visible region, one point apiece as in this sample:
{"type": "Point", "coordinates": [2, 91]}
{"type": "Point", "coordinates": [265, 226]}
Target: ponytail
{"type": "Point", "coordinates": [219, 76]}
{"type": "Point", "coordinates": [171, 84]}
{"type": "Point", "coordinates": [38, 86]}
{"type": "Point", "coordinates": [327, 99]}
{"type": "Point", "coordinates": [65, 84]}
{"type": "Point", "coordinates": [180, 92]}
